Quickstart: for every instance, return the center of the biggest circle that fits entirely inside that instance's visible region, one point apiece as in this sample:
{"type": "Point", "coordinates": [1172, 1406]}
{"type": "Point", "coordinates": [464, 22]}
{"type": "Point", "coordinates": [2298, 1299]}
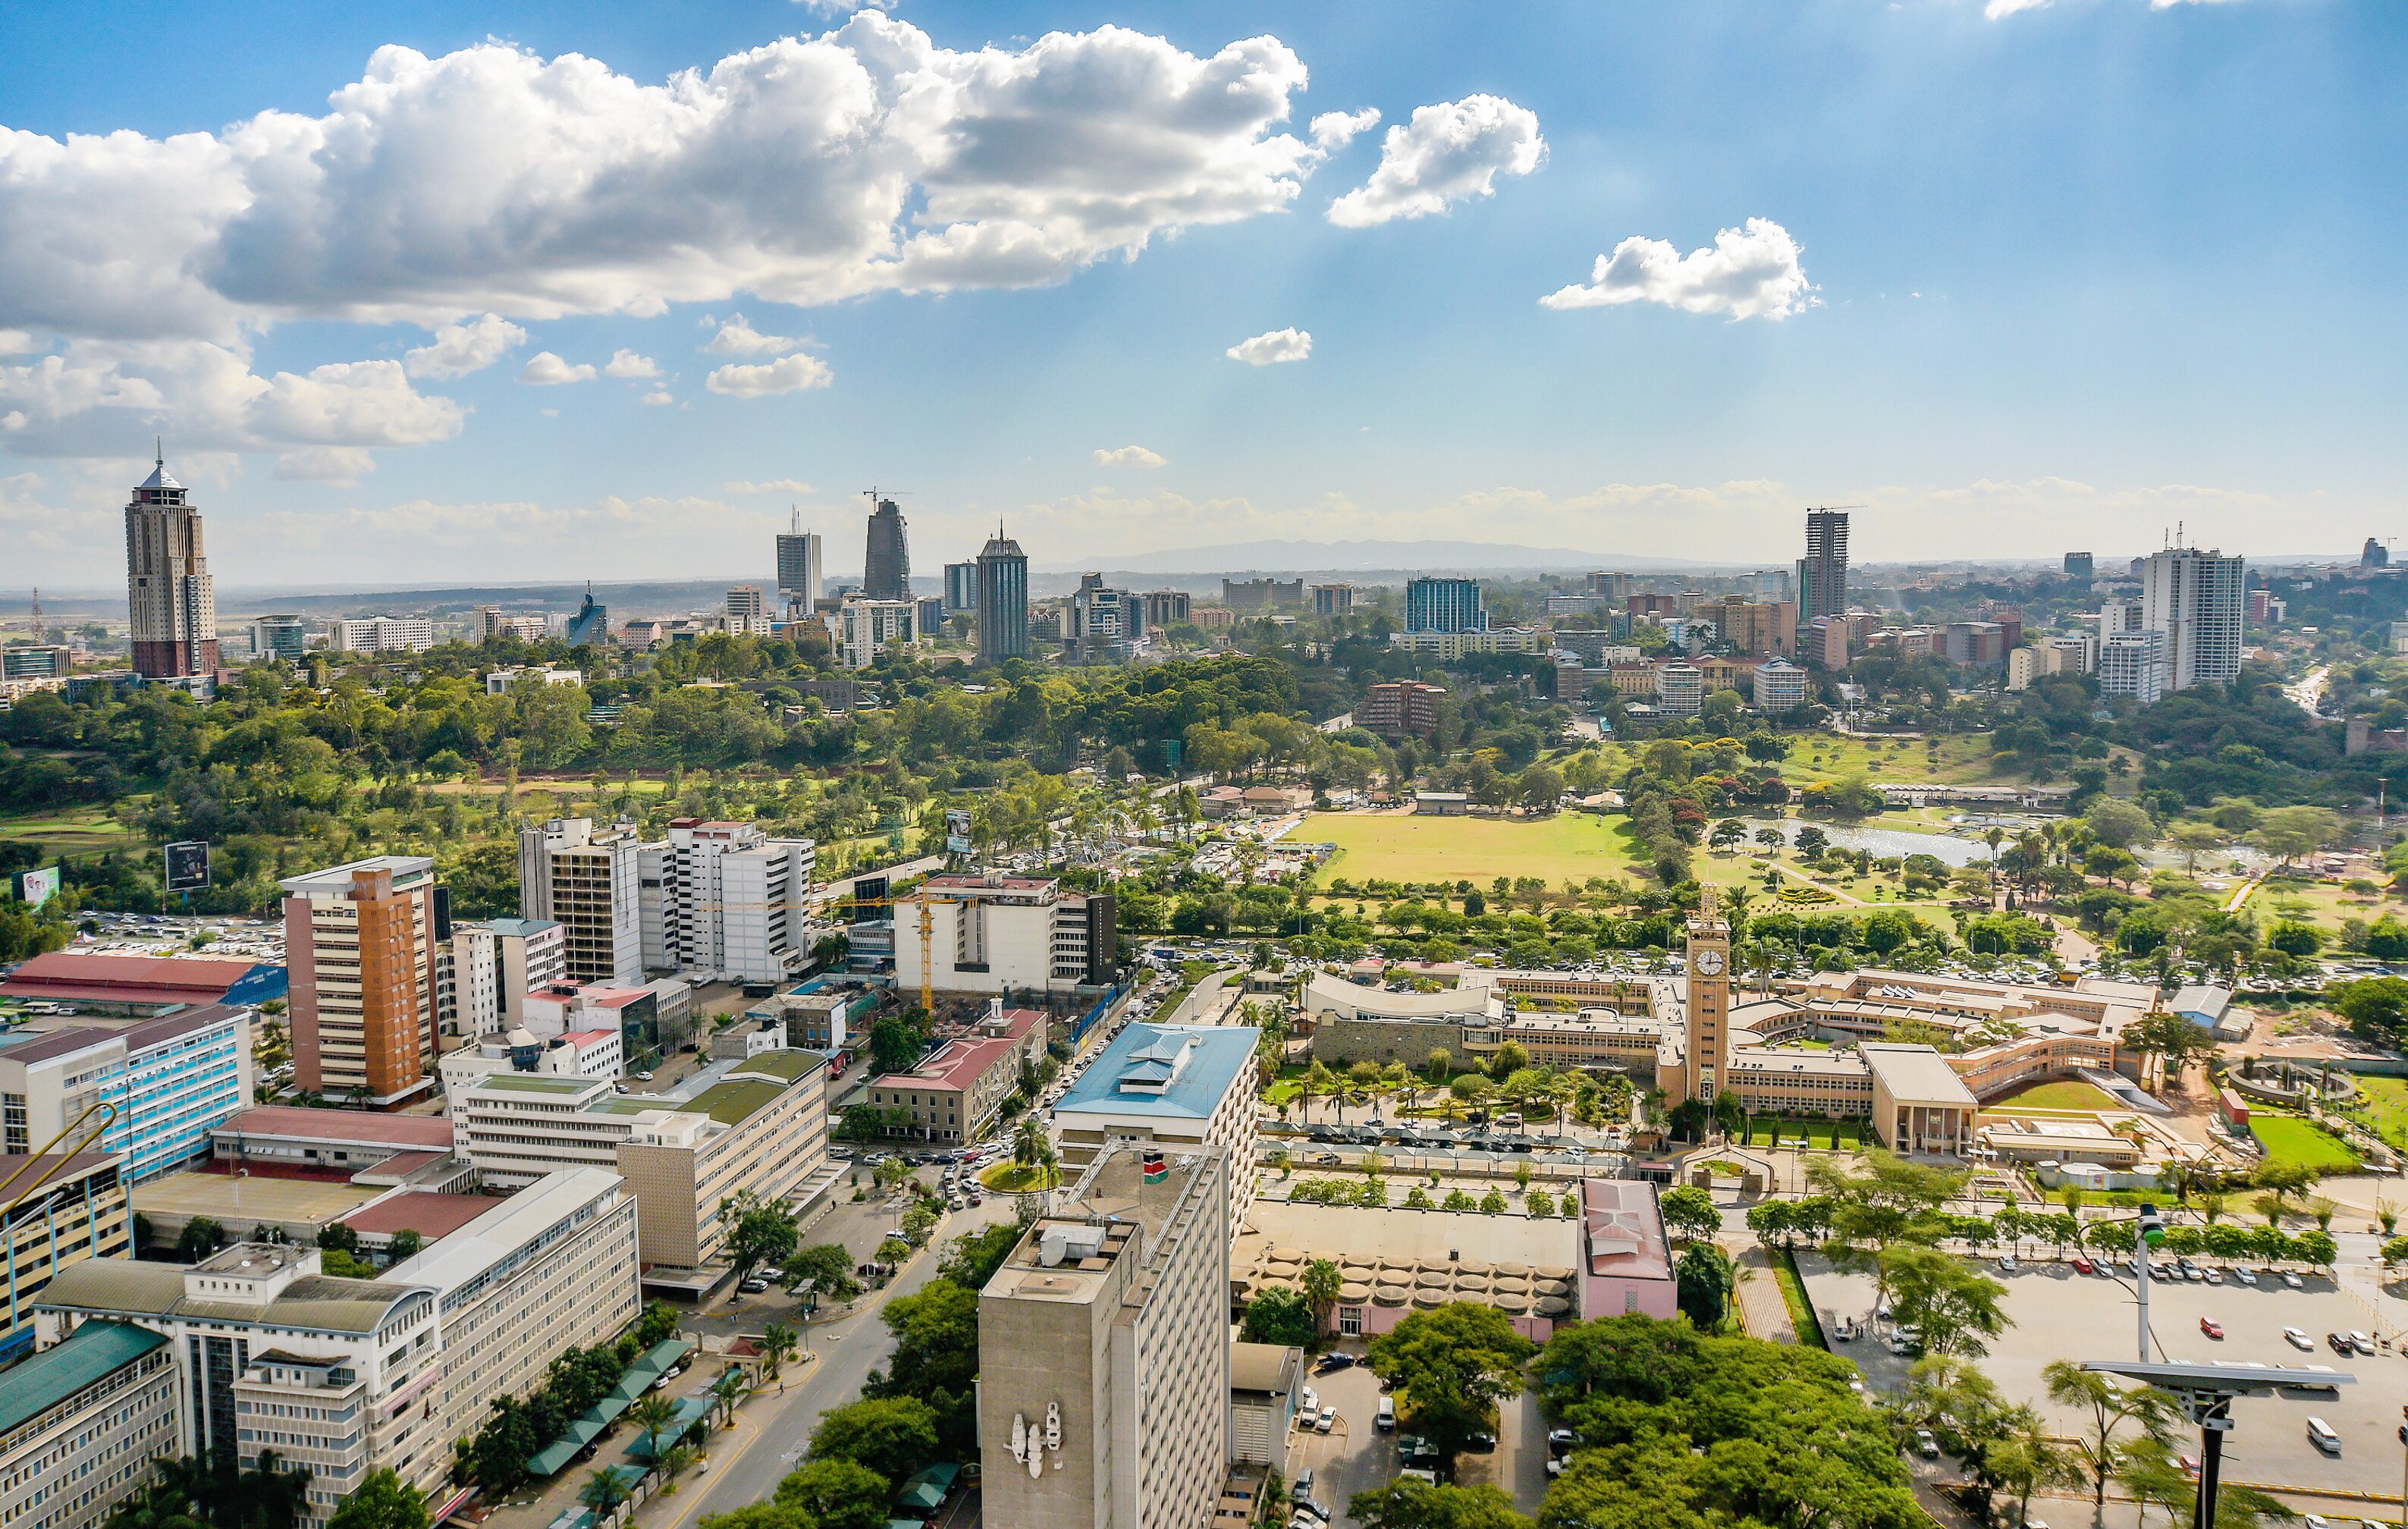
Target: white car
{"type": "Point", "coordinates": [1307, 1402]}
{"type": "Point", "coordinates": [2292, 1282]}
{"type": "Point", "coordinates": [1327, 1420]}
{"type": "Point", "coordinates": [2007, 1264]}
{"type": "Point", "coordinates": [2245, 1276]}
{"type": "Point", "coordinates": [2299, 1340]}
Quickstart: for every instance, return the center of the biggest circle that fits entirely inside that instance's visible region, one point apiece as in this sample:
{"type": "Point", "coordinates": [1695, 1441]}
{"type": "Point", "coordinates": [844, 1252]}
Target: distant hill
{"type": "Point", "coordinates": [1251, 557]}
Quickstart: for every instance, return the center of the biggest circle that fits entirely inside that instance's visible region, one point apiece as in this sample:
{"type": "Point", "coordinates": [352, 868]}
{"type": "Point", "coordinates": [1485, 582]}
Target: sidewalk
{"type": "Point", "coordinates": [1760, 1306]}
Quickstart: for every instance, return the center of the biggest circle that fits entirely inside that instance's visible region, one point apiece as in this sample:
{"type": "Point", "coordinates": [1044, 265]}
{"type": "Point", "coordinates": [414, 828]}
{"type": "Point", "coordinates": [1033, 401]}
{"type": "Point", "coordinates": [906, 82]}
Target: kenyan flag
{"type": "Point", "coordinates": [1157, 1170]}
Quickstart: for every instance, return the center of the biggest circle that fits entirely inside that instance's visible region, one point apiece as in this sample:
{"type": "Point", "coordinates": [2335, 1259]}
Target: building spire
{"type": "Point", "coordinates": [158, 450]}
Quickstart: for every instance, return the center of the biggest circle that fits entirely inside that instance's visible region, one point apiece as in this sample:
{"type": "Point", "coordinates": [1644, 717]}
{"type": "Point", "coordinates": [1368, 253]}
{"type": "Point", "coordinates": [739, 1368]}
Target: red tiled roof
{"type": "Point", "coordinates": [956, 1065]}
{"type": "Point", "coordinates": [428, 1214]}
{"type": "Point", "coordinates": [396, 1131]}
{"type": "Point", "coordinates": [125, 978]}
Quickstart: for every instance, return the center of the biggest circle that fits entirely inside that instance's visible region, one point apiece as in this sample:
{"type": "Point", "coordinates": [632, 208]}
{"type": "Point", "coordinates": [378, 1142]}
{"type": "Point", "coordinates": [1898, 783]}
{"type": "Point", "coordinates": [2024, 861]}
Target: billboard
{"type": "Point", "coordinates": [188, 866]}
{"type": "Point", "coordinates": [38, 887]}
{"type": "Point", "coordinates": [957, 832]}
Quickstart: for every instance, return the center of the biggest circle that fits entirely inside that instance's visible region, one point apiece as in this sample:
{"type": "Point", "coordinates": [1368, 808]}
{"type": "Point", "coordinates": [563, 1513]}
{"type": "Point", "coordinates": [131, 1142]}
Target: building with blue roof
{"type": "Point", "coordinates": [1182, 1085]}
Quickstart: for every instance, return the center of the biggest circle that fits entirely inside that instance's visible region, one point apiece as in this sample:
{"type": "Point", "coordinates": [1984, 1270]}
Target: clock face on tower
{"type": "Point", "coordinates": [1709, 963]}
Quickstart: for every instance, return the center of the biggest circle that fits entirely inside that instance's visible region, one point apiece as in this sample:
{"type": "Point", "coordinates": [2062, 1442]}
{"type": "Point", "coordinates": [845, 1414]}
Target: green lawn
{"type": "Point", "coordinates": [1760, 1132]}
{"type": "Point", "coordinates": [2290, 1138]}
{"type": "Point", "coordinates": [2066, 1093]}
{"type": "Point", "coordinates": [1793, 1295]}
{"type": "Point", "coordinates": [74, 831]}
{"type": "Point", "coordinates": [2387, 1108]}
{"type": "Point", "coordinates": [1390, 846]}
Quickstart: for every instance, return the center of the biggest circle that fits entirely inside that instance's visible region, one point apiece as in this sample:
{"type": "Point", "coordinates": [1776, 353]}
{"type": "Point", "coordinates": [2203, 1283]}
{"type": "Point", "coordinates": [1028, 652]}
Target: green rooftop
{"type": "Point", "coordinates": [518, 1082]}
{"type": "Point", "coordinates": [96, 1351]}
{"type": "Point", "coordinates": [733, 1102]}
{"type": "Point", "coordinates": [793, 1067]}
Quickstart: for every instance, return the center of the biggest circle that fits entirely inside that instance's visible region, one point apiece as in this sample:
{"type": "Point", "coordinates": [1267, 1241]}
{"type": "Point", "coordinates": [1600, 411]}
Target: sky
{"type": "Point", "coordinates": [454, 293]}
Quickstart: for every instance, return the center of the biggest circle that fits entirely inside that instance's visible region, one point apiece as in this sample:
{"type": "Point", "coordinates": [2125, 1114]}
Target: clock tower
{"type": "Point", "coordinates": [1709, 1005]}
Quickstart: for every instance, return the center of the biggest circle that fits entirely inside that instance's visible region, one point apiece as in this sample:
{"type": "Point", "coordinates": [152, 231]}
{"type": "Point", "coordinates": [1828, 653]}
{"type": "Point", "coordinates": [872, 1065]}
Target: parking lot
{"type": "Point", "coordinates": [1355, 1456]}
{"type": "Point", "coordinates": [2060, 1314]}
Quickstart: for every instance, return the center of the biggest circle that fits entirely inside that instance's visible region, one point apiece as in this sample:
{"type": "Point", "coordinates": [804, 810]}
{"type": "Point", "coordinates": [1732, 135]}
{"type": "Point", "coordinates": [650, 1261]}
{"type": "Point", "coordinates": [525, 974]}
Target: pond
{"type": "Point", "coordinates": [1884, 843]}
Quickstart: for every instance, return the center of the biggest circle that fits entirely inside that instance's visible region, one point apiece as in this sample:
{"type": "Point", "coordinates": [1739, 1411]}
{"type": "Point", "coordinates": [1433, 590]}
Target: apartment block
{"type": "Point", "coordinates": [1406, 709]}
{"type": "Point", "coordinates": [2196, 599]}
{"type": "Point", "coordinates": [1451, 647]}
{"type": "Point", "coordinates": [494, 966]}
{"type": "Point", "coordinates": [1005, 933]}
{"type": "Point", "coordinates": [723, 901]}
{"type": "Point", "coordinates": [360, 944]}
{"type": "Point", "coordinates": [1104, 1352]}
{"type": "Point", "coordinates": [2134, 664]}
{"type": "Point", "coordinates": [382, 634]}
{"type": "Point", "coordinates": [587, 879]}
{"type": "Point", "coordinates": [1761, 628]}
{"type": "Point", "coordinates": [862, 629]}
{"type": "Point", "coordinates": [1780, 686]}
{"type": "Point", "coordinates": [82, 1424]}
{"type": "Point", "coordinates": [171, 1081]}
{"type": "Point", "coordinates": [63, 1211]}
{"type": "Point", "coordinates": [1680, 689]}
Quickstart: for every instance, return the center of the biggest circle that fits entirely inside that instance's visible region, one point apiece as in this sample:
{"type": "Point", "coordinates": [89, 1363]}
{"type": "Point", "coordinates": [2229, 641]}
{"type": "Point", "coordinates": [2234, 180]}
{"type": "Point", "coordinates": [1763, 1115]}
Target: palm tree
{"type": "Point", "coordinates": [2109, 1407]}
{"type": "Point", "coordinates": [777, 1345]}
{"type": "Point", "coordinates": [1995, 837]}
{"type": "Point", "coordinates": [604, 1491]}
{"type": "Point", "coordinates": [1321, 1284]}
{"type": "Point", "coordinates": [652, 1413]}
{"type": "Point", "coordinates": [732, 1387]}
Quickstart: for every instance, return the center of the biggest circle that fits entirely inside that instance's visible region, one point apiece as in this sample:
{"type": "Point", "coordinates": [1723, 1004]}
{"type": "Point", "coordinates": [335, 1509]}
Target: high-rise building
{"type": "Point", "coordinates": [1404, 709]}
{"type": "Point", "coordinates": [724, 900]}
{"type": "Point", "coordinates": [591, 626]}
{"type": "Point", "coordinates": [2374, 555]}
{"type": "Point", "coordinates": [886, 568]}
{"type": "Point", "coordinates": [800, 570]}
{"type": "Point", "coordinates": [1168, 607]}
{"type": "Point", "coordinates": [1255, 596]}
{"type": "Point", "coordinates": [748, 611]}
{"type": "Point", "coordinates": [2077, 567]}
{"type": "Point", "coordinates": [2134, 664]}
{"type": "Point", "coordinates": [1001, 590]}
{"type": "Point", "coordinates": [82, 1422]}
{"type": "Point", "coordinates": [1779, 686]}
{"type": "Point", "coordinates": [1104, 1350]}
{"type": "Point", "coordinates": [171, 1079]}
{"type": "Point", "coordinates": [863, 628]}
{"type": "Point", "coordinates": [2196, 599]}
{"type": "Point", "coordinates": [48, 660]}
{"type": "Point", "coordinates": [360, 944]}
{"type": "Point", "coordinates": [170, 599]}
{"type": "Point", "coordinates": [1445, 605]}
{"type": "Point", "coordinates": [497, 964]}
{"type": "Point", "coordinates": [1331, 600]}
{"type": "Point", "coordinates": [961, 587]}
{"type": "Point", "coordinates": [281, 637]}
{"type": "Point", "coordinates": [1823, 572]}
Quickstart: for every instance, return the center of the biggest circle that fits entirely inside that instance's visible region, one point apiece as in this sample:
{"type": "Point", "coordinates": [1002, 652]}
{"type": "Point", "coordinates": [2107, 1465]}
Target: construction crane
{"type": "Point", "coordinates": [108, 1113]}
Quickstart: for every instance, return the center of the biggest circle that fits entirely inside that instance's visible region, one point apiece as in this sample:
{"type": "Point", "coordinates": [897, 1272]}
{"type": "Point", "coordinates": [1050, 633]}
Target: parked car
{"type": "Point", "coordinates": [2339, 1343]}
{"type": "Point", "coordinates": [2245, 1276]}
{"type": "Point", "coordinates": [2007, 1264]}
{"type": "Point", "coordinates": [1307, 1402]}
{"type": "Point", "coordinates": [2292, 1282]}
{"type": "Point", "coordinates": [2084, 1265]}
{"type": "Point", "coordinates": [2361, 1342]}
{"type": "Point", "coordinates": [2298, 1340]}
{"type": "Point", "coordinates": [2211, 1327]}
{"type": "Point", "coordinates": [1328, 1419]}
{"type": "Point", "coordinates": [752, 1285]}
{"type": "Point", "coordinates": [1330, 1363]}
{"type": "Point", "coordinates": [1302, 1486]}
{"type": "Point", "coordinates": [1926, 1445]}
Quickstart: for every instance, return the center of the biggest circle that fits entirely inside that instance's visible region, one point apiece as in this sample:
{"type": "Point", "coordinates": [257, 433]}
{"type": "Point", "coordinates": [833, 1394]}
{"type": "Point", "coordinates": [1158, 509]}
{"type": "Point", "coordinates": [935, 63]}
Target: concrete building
{"type": "Point", "coordinates": [802, 571]}
{"type": "Point", "coordinates": [1445, 605]}
{"type": "Point", "coordinates": [590, 627]}
{"type": "Point", "coordinates": [1104, 1352]}
{"type": "Point", "coordinates": [1331, 601]}
{"type": "Point", "coordinates": [172, 1080]}
{"type": "Point", "coordinates": [82, 1424]}
{"type": "Point", "coordinates": [39, 661]}
{"type": "Point", "coordinates": [1184, 1087]}
{"type": "Point", "coordinates": [1003, 935]}
{"type": "Point", "coordinates": [65, 1211]}
{"type": "Point", "coordinates": [496, 965]}
{"type": "Point", "coordinates": [1760, 628]}
{"type": "Point", "coordinates": [1403, 709]}
{"type": "Point", "coordinates": [360, 942]}
{"type": "Point", "coordinates": [2078, 566]}
{"type": "Point", "coordinates": [759, 1124]}
{"type": "Point", "coordinates": [1823, 572]}
{"type": "Point", "coordinates": [587, 880]}
{"type": "Point", "coordinates": [999, 595]}
{"type": "Point", "coordinates": [1260, 596]}
{"type": "Point", "coordinates": [1780, 686]}
{"type": "Point", "coordinates": [961, 587]}
{"type": "Point", "coordinates": [503, 681]}
{"type": "Point", "coordinates": [886, 566]}
{"type": "Point", "coordinates": [1680, 689]}
{"type": "Point", "coordinates": [1263, 1381]}
{"type": "Point", "coordinates": [1919, 1103]}
{"type": "Point", "coordinates": [171, 602]}
{"type": "Point", "coordinates": [1627, 1261]}
{"type": "Point", "coordinates": [864, 628]}
{"type": "Point", "coordinates": [380, 634]}
{"type": "Point", "coordinates": [1451, 647]}
{"type": "Point", "coordinates": [954, 1094]}
{"type": "Point", "coordinates": [285, 638]}
{"type": "Point", "coordinates": [723, 901]}
{"type": "Point", "coordinates": [261, 1332]}
{"type": "Point", "coordinates": [2133, 665]}
{"type": "Point", "coordinates": [349, 1140]}
{"type": "Point", "coordinates": [1168, 607]}
{"type": "Point", "coordinates": [748, 612]}
{"type": "Point", "coordinates": [2196, 599]}
{"type": "Point", "coordinates": [491, 621]}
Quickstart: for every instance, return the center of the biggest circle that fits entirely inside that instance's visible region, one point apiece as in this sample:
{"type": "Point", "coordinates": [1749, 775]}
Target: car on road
{"type": "Point", "coordinates": [2361, 1342]}
{"type": "Point", "coordinates": [2084, 1265]}
{"type": "Point", "coordinates": [1926, 1445]}
{"type": "Point", "coordinates": [2339, 1343]}
{"type": "Point", "coordinates": [1302, 1486]}
{"type": "Point", "coordinates": [1309, 1508]}
{"type": "Point", "coordinates": [2292, 1281]}
{"type": "Point", "coordinates": [2007, 1264]}
{"type": "Point", "coordinates": [2245, 1276]}
{"type": "Point", "coordinates": [2298, 1340]}
{"type": "Point", "coordinates": [2211, 1327]}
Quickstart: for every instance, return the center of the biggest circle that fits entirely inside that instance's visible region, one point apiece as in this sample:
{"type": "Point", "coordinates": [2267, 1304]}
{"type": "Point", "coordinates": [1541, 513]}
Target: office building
{"type": "Point", "coordinates": [1614, 587]}
{"type": "Point", "coordinates": [2077, 567]}
{"type": "Point", "coordinates": [1408, 709]}
{"type": "Point", "coordinates": [1168, 607]}
{"type": "Point", "coordinates": [961, 587]}
{"type": "Point", "coordinates": [1445, 605]}
{"type": "Point", "coordinates": [864, 628]}
{"type": "Point", "coordinates": [999, 587]}
{"type": "Point", "coordinates": [283, 638]}
{"type": "Point", "coordinates": [801, 572]}
{"type": "Point", "coordinates": [748, 612]}
{"type": "Point", "coordinates": [83, 1424]}
{"type": "Point", "coordinates": [1104, 1352]}
{"type": "Point", "coordinates": [1260, 596]}
{"type": "Point", "coordinates": [928, 616]}
{"type": "Point", "coordinates": [170, 602]}
{"type": "Point", "coordinates": [43, 661]}
{"type": "Point", "coordinates": [1766, 585]}
{"type": "Point", "coordinates": [1760, 628]}
{"type": "Point", "coordinates": [1004, 935]}
{"type": "Point", "coordinates": [1779, 686]}
{"type": "Point", "coordinates": [491, 621]}
{"type": "Point", "coordinates": [591, 626]}
{"type": "Point", "coordinates": [955, 1094]}
{"type": "Point", "coordinates": [1976, 644]}
{"type": "Point", "coordinates": [172, 1080]}
{"type": "Point", "coordinates": [60, 1212]}
{"type": "Point", "coordinates": [1181, 1087]}
{"type": "Point", "coordinates": [886, 568]}
{"type": "Point", "coordinates": [360, 943]}
{"type": "Point", "coordinates": [588, 881]}
{"type": "Point", "coordinates": [2133, 665]}
{"type": "Point", "coordinates": [494, 966]}
{"type": "Point", "coordinates": [1680, 689]}
{"type": "Point", "coordinates": [757, 1125]}
{"type": "Point", "coordinates": [382, 634]}
{"type": "Point", "coordinates": [1330, 601]}
{"type": "Point", "coordinates": [2196, 599]}
{"type": "Point", "coordinates": [551, 1268]}
{"type": "Point", "coordinates": [1100, 623]}
{"type": "Point", "coordinates": [1451, 647]}
{"type": "Point", "coordinates": [1823, 572]}
{"type": "Point", "coordinates": [723, 901]}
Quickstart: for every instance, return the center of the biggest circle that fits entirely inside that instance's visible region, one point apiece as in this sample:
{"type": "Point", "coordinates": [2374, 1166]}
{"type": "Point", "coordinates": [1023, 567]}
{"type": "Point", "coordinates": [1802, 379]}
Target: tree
{"type": "Point", "coordinates": [383, 1501]}
{"type": "Point", "coordinates": [2120, 823]}
{"type": "Point", "coordinates": [1690, 1212]}
{"type": "Point", "coordinates": [602, 1489]}
{"type": "Point", "coordinates": [2108, 1410]}
{"type": "Point", "coordinates": [829, 1267]}
{"type": "Point", "coordinates": [2170, 1035]}
{"type": "Point", "coordinates": [895, 1045]}
{"type": "Point", "coordinates": [1953, 1305]}
{"type": "Point", "coordinates": [2026, 1459]}
{"type": "Point", "coordinates": [893, 1436]}
{"type": "Point", "coordinates": [837, 1494]}
{"type": "Point", "coordinates": [2376, 1006]}
{"type": "Point", "coordinates": [1418, 1504]}
{"type": "Point", "coordinates": [404, 1244]}
{"type": "Point", "coordinates": [201, 1237]}
{"type": "Point", "coordinates": [652, 1413]}
{"type": "Point", "coordinates": [1449, 1367]}
{"type": "Point", "coordinates": [777, 1345]}
{"type": "Point", "coordinates": [1282, 1317]}
{"type": "Point", "coordinates": [1321, 1284]}
{"type": "Point", "coordinates": [760, 1231]}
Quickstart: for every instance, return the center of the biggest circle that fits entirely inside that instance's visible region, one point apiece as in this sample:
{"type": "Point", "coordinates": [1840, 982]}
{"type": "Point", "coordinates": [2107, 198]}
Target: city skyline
{"type": "Point", "coordinates": [2017, 353]}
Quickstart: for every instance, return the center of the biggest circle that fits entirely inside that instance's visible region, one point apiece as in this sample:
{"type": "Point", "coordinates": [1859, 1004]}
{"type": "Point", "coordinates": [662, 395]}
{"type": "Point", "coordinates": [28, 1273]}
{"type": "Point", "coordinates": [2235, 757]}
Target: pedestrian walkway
{"type": "Point", "coordinates": [1761, 1309]}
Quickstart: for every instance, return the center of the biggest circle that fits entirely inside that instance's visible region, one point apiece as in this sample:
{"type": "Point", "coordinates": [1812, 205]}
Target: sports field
{"type": "Point", "coordinates": [72, 832]}
{"type": "Point", "coordinates": [1410, 847]}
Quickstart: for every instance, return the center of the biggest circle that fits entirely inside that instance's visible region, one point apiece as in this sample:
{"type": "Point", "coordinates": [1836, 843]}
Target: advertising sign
{"type": "Point", "coordinates": [957, 832]}
{"type": "Point", "coordinates": [38, 887]}
{"type": "Point", "coordinates": [188, 866]}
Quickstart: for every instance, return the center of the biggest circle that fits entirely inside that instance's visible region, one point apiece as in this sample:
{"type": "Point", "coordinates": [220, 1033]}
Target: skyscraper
{"type": "Point", "coordinates": [800, 572]}
{"type": "Point", "coordinates": [2077, 567]}
{"type": "Point", "coordinates": [590, 625]}
{"type": "Point", "coordinates": [961, 587]}
{"type": "Point", "coordinates": [886, 568]}
{"type": "Point", "coordinates": [1445, 605]}
{"type": "Point", "coordinates": [168, 596]}
{"type": "Point", "coordinates": [1002, 600]}
{"type": "Point", "coordinates": [2197, 600]}
{"type": "Point", "coordinates": [1823, 572]}
{"type": "Point", "coordinates": [360, 942]}
{"type": "Point", "coordinates": [748, 611]}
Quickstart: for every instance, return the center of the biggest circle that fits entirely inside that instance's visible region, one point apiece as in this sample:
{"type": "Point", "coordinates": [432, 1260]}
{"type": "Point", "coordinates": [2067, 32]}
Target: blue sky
{"type": "Point", "coordinates": [2021, 283]}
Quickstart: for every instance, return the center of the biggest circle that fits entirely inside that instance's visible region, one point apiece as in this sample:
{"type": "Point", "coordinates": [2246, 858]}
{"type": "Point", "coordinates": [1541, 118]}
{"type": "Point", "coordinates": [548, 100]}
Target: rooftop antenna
{"type": "Point", "coordinates": [38, 613]}
{"type": "Point", "coordinates": [158, 450]}
{"type": "Point", "coordinates": [797, 522]}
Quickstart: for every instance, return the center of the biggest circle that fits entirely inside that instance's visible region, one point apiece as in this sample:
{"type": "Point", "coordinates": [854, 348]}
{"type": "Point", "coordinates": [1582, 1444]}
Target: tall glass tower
{"type": "Point", "coordinates": [1002, 600]}
{"type": "Point", "coordinates": [886, 568]}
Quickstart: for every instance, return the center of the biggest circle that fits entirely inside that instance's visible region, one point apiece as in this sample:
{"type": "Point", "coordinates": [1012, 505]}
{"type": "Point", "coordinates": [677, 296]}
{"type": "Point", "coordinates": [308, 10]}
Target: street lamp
{"type": "Point", "coordinates": [2205, 1394]}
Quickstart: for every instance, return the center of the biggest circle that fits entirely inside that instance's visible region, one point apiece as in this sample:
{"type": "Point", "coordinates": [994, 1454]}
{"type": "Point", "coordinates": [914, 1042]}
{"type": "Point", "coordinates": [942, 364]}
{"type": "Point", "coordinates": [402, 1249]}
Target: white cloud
{"type": "Point", "coordinates": [660, 397]}
{"type": "Point", "coordinates": [787, 374]}
{"type": "Point", "coordinates": [16, 342]}
{"type": "Point", "coordinates": [1752, 273]}
{"type": "Point", "coordinates": [1334, 130]}
{"type": "Point", "coordinates": [463, 347]}
{"type": "Point", "coordinates": [1129, 456]}
{"type": "Point", "coordinates": [341, 465]}
{"type": "Point", "coordinates": [1995, 9]}
{"type": "Point", "coordinates": [1447, 154]}
{"type": "Point", "coordinates": [1276, 346]}
{"type": "Point", "coordinates": [736, 337]}
{"type": "Point", "coordinates": [546, 370]}
{"type": "Point", "coordinates": [626, 363]}
{"type": "Point", "coordinates": [775, 485]}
